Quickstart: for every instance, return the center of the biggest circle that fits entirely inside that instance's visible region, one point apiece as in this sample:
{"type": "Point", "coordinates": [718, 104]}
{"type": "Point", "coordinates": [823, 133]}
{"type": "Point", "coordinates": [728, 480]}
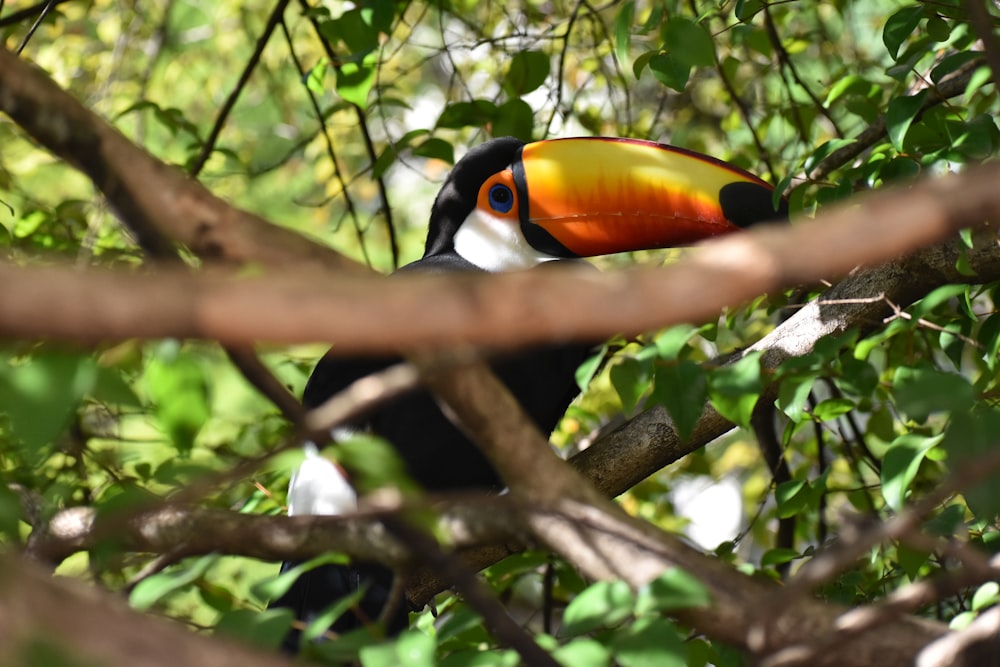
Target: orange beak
{"type": "Point", "coordinates": [596, 196]}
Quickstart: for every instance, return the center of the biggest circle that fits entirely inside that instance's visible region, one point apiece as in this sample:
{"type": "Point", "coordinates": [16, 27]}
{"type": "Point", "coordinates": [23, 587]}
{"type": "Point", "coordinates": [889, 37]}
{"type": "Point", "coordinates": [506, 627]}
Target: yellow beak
{"type": "Point", "coordinates": [595, 196]}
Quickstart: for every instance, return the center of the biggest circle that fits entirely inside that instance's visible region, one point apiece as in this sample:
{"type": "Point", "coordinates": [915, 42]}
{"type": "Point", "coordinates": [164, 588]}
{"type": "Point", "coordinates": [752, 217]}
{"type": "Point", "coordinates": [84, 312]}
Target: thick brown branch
{"type": "Point", "coordinates": [367, 314]}
{"type": "Point", "coordinates": [72, 622]}
{"type": "Point", "coordinates": [157, 201]}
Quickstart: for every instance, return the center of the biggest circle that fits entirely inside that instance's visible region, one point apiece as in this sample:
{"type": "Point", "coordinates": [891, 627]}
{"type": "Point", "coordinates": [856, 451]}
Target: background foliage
{"type": "Point", "coordinates": [345, 125]}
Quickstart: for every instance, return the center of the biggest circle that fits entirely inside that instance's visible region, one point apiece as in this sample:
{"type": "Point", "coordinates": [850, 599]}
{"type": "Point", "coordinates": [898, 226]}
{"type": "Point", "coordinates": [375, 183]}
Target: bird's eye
{"type": "Point", "coordinates": [501, 198]}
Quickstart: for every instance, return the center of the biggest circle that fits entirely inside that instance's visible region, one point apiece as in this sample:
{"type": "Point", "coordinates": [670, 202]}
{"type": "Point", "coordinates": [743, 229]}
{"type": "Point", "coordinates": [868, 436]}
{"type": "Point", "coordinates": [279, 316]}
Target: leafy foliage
{"type": "Point", "coordinates": [348, 97]}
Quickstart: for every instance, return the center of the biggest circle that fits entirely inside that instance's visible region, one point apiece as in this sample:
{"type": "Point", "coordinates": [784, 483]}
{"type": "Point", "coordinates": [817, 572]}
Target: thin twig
{"type": "Point", "coordinates": [220, 120]}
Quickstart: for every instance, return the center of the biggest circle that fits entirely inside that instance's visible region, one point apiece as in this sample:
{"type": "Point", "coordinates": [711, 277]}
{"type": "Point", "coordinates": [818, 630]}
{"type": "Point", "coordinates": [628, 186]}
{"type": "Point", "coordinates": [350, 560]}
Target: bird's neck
{"type": "Point", "coordinates": [495, 245]}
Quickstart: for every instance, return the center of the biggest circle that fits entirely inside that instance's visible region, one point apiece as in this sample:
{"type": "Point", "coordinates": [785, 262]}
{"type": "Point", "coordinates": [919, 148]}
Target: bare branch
{"type": "Point", "coordinates": [177, 208]}
{"type": "Point", "coordinates": [370, 314]}
{"type": "Point", "coordinates": [73, 621]}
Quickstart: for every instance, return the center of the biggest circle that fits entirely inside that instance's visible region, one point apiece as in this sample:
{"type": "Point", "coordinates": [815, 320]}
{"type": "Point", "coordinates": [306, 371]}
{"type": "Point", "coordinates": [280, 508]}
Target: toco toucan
{"type": "Point", "coordinates": [509, 205]}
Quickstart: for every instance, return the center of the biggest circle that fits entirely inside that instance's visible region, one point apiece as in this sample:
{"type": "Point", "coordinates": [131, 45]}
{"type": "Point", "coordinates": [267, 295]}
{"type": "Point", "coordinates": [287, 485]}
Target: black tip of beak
{"type": "Point", "coordinates": [745, 204]}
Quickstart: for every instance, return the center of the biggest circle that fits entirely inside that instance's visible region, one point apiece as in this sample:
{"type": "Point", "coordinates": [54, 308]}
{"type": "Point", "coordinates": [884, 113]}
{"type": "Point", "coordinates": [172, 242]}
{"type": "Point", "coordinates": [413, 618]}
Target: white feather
{"type": "Point", "coordinates": [494, 244]}
{"type": "Point", "coordinates": [319, 487]}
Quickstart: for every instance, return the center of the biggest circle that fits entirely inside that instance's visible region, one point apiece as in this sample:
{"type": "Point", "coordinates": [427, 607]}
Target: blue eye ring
{"type": "Point", "coordinates": [501, 198]}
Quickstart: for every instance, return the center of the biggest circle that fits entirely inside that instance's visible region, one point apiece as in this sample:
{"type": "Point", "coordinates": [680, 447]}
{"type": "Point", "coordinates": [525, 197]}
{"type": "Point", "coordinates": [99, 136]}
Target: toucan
{"type": "Point", "coordinates": [506, 206]}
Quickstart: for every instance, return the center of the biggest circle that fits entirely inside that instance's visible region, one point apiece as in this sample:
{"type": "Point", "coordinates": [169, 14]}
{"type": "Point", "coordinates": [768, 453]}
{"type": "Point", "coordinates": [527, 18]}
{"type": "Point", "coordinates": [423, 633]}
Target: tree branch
{"type": "Point", "coordinates": [157, 201]}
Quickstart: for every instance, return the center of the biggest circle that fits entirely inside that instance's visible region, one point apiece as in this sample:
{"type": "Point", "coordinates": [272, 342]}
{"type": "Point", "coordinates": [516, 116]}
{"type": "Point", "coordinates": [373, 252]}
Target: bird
{"type": "Point", "coordinates": [508, 205]}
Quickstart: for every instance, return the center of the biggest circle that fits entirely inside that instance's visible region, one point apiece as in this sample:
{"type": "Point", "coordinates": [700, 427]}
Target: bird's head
{"type": "Point", "coordinates": [510, 205]}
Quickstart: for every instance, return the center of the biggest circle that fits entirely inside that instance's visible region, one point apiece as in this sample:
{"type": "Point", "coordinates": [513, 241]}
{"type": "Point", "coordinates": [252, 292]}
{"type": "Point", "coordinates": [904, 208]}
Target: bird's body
{"type": "Point", "coordinates": [513, 206]}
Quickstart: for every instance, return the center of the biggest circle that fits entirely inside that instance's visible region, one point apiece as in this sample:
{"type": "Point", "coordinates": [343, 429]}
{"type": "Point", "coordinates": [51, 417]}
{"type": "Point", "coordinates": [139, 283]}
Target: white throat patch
{"type": "Point", "coordinates": [496, 245]}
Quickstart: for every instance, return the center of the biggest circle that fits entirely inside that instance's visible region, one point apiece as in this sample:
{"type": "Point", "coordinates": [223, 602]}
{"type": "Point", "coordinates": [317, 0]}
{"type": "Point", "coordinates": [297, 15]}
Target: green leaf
{"type": "Point", "coordinates": [938, 29]}
{"type": "Point", "coordinates": [588, 369]}
{"type": "Point", "coordinates": [156, 587]}
{"type": "Point", "coordinates": [857, 378]}
{"type": "Point", "coordinates": [670, 71]}
{"type": "Point", "coordinates": [979, 78]}
{"type": "Point", "coordinates": [747, 9]}
{"type": "Point", "coordinates": [623, 32]}
{"type": "Point", "coordinates": [651, 642]}
{"type": "Point", "coordinates": [630, 378]}
{"type": "Point", "coordinates": [265, 629]}
{"type": "Point", "coordinates": [901, 464]}
{"type": "Point", "coordinates": [39, 394]}
{"type": "Point", "coordinates": [528, 70]}
{"type": "Point", "coordinates": [921, 391]}
{"type": "Point", "coordinates": [179, 393]}
{"type": "Point", "coordinates": [952, 63]}
{"type": "Point", "coordinates": [583, 653]}
{"type": "Point", "coordinates": [792, 497]}
{"type": "Point", "coordinates": [514, 119]}
{"type": "Point", "coordinates": [936, 298]}
{"type": "Point", "coordinates": [670, 342]}
{"type": "Point", "coordinates": [315, 76]}
{"type": "Point", "coordinates": [673, 589]}
{"type": "Point", "coordinates": [463, 114]}
{"type": "Point", "coordinates": [358, 35]}
{"type": "Point", "coordinates": [970, 436]}
{"type": "Point", "coordinates": [689, 42]}
{"type": "Point", "coordinates": [985, 596]}
{"type": "Point", "coordinates": [899, 27]}
{"type": "Point", "coordinates": [681, 388]}
{"type": "Point", "coordinates": [436, 148]}
{"type": "Point", "coordinates": [911, 560]}
{"type": "Point", "coordinates": [900, 115]}
{"type": "Point", "coordinates": [355, 80]}
{"type": "Point", "coordinates": [412, 648]}
{"type": "Point", "coordinates": [832, 408]}
{"type": "Point", "coordinates": [793, 394]}
{"type": "Point", "coordinates": [734, 389]}
{"type": "Point", "coordinates": [373, 464]}
{"type": "Point", "coordinates": [778, 556]}
{"type": "Point", "coordinates": [603, 604]}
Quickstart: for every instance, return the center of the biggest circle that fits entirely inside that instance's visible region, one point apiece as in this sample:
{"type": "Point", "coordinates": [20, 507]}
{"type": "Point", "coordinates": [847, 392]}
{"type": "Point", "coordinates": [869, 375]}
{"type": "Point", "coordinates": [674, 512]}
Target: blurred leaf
{"type": "Point", "coordinates": [792, 497]}
{"type": "Point", "coordinates": [355, 80]}
{"type": "Point", "coordinates": [734, 389]}
{"type": "Point", "coordinates": [40, 393]}
{"type": "Point", "coordinates": [922, 391]}
{"type": "Point", "coordinates": [682, 388]}
{"type": "Point", "coordinates": [264, 629]}
{"type": "Point", "coordinates": [899, 116]}
{"type": "Point", "coordinates": [651, 642]}
{"type": "Point", "coordinates": [630, 379]}
{"type": "Point", "coordinates": [985, 596]}
{"type": "Point", "coordinates": [514, 119]}
{"type": "Point", "coordinates": [673, 589]}
{"type": "Point", "coordinates": [669, 70]}
{"type": "Point", "coordinates": [900, 26]}
{"type": "Point", "coordinates": [778, 556]}
{"type": "Point", "coordinates": [436, 148]}
{"type": "Point", "coordinates": [832, 408]}
{"type": "Point", "coordinates": [462, 114]}
{"type": "Point", "coordinates": [900, 466]}
{"type": "Point", "coordinates": [688, 42]}
{"type": "Point", "coordinates": [528, 70]}
{"type": "Point", "coordinates": [670, 343]}
{"type": "Point", "coordinates": [585, 373]}
{"type": "Point", "coordinates": [179, 394]}
{"type": "Point", "coordinates": [154, 588]}
{"type": "Point", "coordinates": [411, 648]}
{"type": "Point", "coordinates": [583, 653]}
{"type": "Point", "coordinates": [971, 435]}
{"type": "Point", "coordinates": [603, 604]}
{"type": "Point", "coordinates": [315, 76]}
{"type": "Point", "coordinates": [623, 32]}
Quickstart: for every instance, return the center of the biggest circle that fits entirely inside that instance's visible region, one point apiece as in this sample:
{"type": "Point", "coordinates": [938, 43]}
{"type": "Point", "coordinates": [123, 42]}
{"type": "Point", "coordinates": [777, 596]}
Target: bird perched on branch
{"type": "Point", "coordinates": [507, 206]}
